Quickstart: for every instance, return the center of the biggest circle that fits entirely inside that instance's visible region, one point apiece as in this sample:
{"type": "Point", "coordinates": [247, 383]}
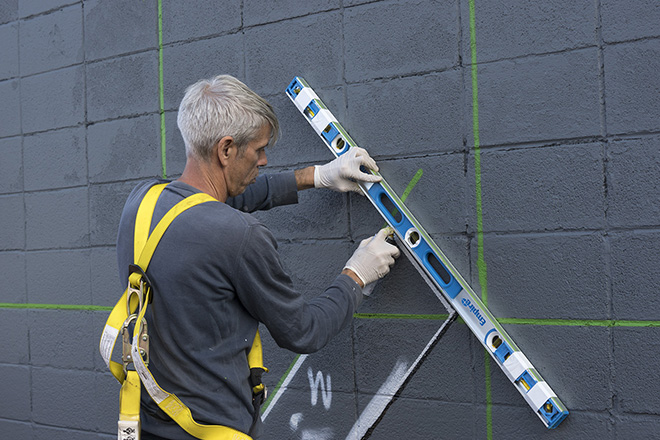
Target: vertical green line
{"type": "Point", "coordinates": [481, 262]}
{"type": "Point", "coordinates": [161, 93]}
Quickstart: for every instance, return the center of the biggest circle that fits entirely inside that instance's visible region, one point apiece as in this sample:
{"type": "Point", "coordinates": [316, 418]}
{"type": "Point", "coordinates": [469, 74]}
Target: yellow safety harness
{"type": "Point", "coordinates": [130, 311]}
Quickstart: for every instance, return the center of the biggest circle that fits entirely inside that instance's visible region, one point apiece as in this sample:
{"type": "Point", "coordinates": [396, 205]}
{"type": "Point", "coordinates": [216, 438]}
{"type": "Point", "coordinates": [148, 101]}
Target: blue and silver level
{"type": "Point", "coordinates": [431, 261]}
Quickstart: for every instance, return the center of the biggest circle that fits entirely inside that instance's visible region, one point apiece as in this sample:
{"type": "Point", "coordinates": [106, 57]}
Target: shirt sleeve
{"type": "Point", "coordinates": [267, 292]}
{"type": "Point", "coordinates": [267, 192]}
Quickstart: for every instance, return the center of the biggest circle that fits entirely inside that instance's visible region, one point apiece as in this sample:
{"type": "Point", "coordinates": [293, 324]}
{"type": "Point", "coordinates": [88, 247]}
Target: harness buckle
{"type": "Point", "coordinates": [143, 341]}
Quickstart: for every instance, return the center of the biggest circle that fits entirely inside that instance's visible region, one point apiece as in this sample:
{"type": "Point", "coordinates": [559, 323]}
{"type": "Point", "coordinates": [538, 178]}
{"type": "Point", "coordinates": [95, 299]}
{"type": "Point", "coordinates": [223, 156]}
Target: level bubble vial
{"type": "Point", "coordinates": [412, 237]}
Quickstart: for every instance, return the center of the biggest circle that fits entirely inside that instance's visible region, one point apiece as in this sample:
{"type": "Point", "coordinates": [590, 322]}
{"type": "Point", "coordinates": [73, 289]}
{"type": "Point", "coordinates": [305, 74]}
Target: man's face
{"type": "Point", "coordinates": [244, 168]}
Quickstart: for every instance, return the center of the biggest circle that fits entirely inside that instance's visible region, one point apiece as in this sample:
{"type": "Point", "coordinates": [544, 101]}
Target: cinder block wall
{"type": "Point", "coordinates": [552, 177]}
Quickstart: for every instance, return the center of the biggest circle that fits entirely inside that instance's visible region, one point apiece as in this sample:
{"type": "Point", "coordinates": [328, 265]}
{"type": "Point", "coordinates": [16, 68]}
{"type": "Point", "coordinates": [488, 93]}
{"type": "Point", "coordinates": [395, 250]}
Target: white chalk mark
{"type": "Point", "coordinates": [317, 434]}
{"type": "Point", "coordinates": [284, 385]}
{"type": "Point", "coordinates": [294, 421]}
{"type": "Point", "coordinates": [316, 383]}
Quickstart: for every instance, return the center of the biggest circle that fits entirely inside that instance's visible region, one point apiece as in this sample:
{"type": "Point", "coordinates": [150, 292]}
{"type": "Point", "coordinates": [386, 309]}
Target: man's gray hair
{"type": "Point", "coordinates": [222, 106]}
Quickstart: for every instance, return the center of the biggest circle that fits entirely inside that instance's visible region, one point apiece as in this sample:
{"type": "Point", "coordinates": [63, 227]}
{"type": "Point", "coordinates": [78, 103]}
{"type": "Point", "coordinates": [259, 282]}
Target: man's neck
{"type": "Point", "coordinates": [203, 177]}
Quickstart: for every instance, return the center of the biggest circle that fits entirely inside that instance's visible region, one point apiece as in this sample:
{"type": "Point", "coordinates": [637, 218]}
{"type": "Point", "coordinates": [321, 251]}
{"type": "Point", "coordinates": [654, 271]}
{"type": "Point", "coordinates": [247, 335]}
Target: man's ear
{"type": "Point", "coordinates": [226, 150]}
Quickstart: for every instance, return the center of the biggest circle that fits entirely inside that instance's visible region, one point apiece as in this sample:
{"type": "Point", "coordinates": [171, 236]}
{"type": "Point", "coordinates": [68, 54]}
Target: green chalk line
{"type": "Point", "coordinates": [53, 306]}
{"type": "Point", "coordinates": [433, 317]}
{"type": "Point", "coordinates": [481, 262]}
{"type": "Point", "coordinates": [521, 321]}
{"type": "Point", "coordinates": [161, 91]}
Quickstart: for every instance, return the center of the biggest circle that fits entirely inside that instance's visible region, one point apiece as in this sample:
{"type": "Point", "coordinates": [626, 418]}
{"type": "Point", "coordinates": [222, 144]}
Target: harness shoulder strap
{"type": "Point", "coordinates": [137, 296]}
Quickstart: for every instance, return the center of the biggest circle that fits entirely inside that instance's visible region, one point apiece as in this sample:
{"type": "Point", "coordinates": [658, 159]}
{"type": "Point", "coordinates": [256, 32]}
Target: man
{"type": "Point", "coordinates": [216, 273]}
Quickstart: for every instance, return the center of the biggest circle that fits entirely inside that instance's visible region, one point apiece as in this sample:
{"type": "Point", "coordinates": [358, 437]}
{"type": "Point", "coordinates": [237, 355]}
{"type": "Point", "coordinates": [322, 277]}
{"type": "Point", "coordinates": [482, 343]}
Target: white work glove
{"type": "Point", "coordinates": [373, 258]}
{"type": "Point", "coordinates": [343, 173]}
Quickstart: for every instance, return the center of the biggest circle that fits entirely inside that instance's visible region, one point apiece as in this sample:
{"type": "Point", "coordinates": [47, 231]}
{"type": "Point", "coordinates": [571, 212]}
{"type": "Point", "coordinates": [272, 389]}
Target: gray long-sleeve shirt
{"type": "Point", "coordinates": [216, 274]}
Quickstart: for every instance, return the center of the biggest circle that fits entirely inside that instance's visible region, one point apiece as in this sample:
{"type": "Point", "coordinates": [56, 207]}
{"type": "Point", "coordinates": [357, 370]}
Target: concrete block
{"type": "Point", "coordinates": [124, 149]}
{"type": "Point", "coordinates": [106, 286]}
{"type": "Point", "coordinates": [65, 398]}
{"type": "Point", "coordinates": [571, 359]}
{"type": "Point", "coordinates": [298, 143]}
{"type": "Point", "coordinates": [515, 29]}
{"type": "Point", "coordinates": [12, 218]}
{"type": "Point", "coordinates": [429, 419]}
{"type": "Point", "coordinates": [175, 153]}
{"type": "Point", "coordinates": [385, 346]}
{"type": "Point", "coordinates": [187, 63]}
{"type": "Point", "coordinates": [107, 408]}
{"type": "Point", "coordinates": [52, 41]}
{"type": "Point", "coordinates": [632, 86]}
{"type": "Point", "coordinates": [12, 429]}
{"type": "Point", "coordinates": [424, 39]}
{"type": "Point", "coordinates": [541, 98]}
{"type": "Point", "coordinates": [438, 198]}
{"type": "Point", "coordinates": [55, 159]}
{"type": "Point", "coordinates": [446, 373]}
{"type": "Point", "coordinates": [8, 50]}
{"type": "Point", "coordinates": [406, 116]}
{"type": "Point", "coordinates": [318, 215]}
{"type": "Point", "coordinates": [634, 369]}
{"type": "Point", "coordinates": [637, 426]}
{"type": "Point", "coordinates": [52, 100]}
{"type": "Point", "coordinates": [12, 278]}
{"type": "Point", "coordinates": [11, 167]}
{"type": "Point", "coordinates": [627, 22]}
{"type": "Point", "coordinates": [10, 112]}
{"type": "Point", "coordinates": [632, 186]}
{"type": "Point", "coordinates": [8, 11]}
{"type": "Point", "coordinates": [14, 328]}
{"type": "Point", "coordinates": [59, 277]}
{"type": "Point", "coordinates": [50, 433]}
{"type": "Point", "coordinates": [27, 8]}
{"type": "Point", "coordinates": [255, 12]}
{"type": "Point", "coordinates": [547, 276]}
{"type": "Point", "coordinates": [273, 56]}
{"type": "Point", "coordinates": [122, 86]}
{"type": "Point", "coordinates": [535, 189]}
{"type": "Point", "coordinates": [15, 402]}
{"type": "Point", "coordinates": [64, 211]}
{"type": "Point", "coordinates": [119, 27]}
{"type": "Point", "coordinates": [105, 206]}
{"type": "Point", "coordinates": [634, 275]}
{"type": "Point", "coordinates": [53, 342]}
{"type": "Point", "coordinates": [208, 17]}
{"type": "Point", "coordinates": [523, 423]}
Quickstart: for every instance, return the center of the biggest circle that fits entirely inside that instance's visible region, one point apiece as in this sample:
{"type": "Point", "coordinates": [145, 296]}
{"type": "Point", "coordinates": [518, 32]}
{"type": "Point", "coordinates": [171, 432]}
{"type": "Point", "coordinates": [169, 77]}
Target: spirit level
{"type": "Point", "coordinates": [427, 257]}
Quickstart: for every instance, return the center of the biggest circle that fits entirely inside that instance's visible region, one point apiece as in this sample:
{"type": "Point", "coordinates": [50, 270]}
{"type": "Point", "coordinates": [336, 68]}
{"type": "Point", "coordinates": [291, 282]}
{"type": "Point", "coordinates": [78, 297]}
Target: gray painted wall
{"type": "Point", "coordinates": [569, 129]}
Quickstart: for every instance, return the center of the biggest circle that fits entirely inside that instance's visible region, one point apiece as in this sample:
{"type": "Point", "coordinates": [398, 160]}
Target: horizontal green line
{"type": "Point", "coordinates": [53, 306]}
{"type": "Point", "coordinates": [523, 321]}
{"type": "Point", "coordinates": [580, 322]}
{"type": "Point", "coordinates": [436, 317]}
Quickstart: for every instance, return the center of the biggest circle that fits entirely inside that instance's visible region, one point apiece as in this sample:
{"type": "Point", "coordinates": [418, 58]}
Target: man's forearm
{"type": "Point", "coordinates": [304, 178]}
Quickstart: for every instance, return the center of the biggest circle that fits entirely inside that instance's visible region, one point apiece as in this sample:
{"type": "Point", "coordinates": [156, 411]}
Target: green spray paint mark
{"type": "Point", "coordinates": [53, 306]}
{"type": "Point", "coordinates": [481, 262]}
{"type": "Point", "coordinates": [161, 91]}
{"type": "Point", "coordinates": [406, 192]}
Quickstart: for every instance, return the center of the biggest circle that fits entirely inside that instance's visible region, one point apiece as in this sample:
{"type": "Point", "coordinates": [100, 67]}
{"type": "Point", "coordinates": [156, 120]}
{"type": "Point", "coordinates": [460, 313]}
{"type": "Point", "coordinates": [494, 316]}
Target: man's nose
{"type": "Point", "coordinates": [263, 160]}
